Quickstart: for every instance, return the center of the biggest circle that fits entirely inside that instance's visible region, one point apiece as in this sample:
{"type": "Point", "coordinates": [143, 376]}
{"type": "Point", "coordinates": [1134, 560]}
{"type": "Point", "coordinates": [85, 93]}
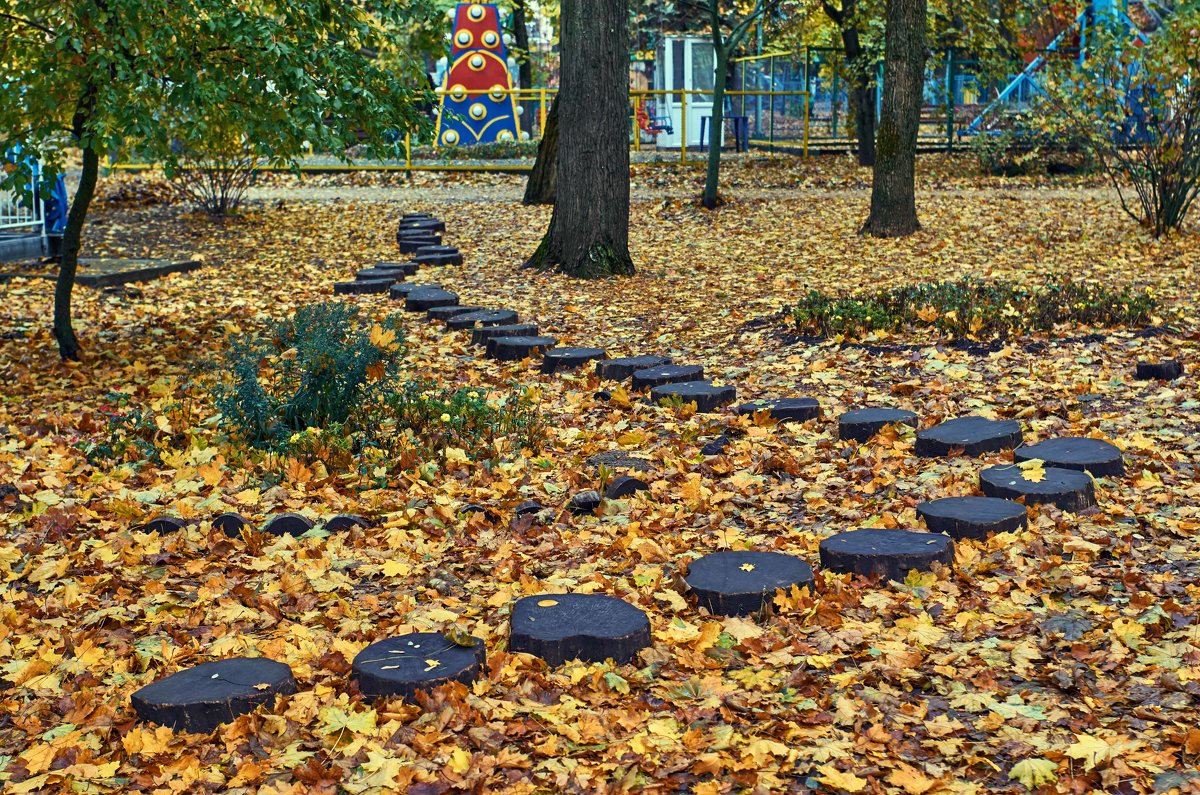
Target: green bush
{"type": "Point", "coordinates": [319, 368]}
{"type": "Point", "coordinates": [972, 308]}
{"type": "Point", "coordinates": [128, 435]}
{"type": "Point", "coordinates": [1022, 147]}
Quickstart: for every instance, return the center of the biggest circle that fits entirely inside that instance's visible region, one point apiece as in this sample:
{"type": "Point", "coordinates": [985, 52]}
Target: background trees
{"type": "Point", "coordinates": [158, 77]}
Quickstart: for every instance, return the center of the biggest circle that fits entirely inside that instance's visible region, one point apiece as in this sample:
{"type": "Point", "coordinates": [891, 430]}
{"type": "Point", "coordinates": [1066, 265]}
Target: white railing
{"type": "Point", "coordinates": [17, 215]}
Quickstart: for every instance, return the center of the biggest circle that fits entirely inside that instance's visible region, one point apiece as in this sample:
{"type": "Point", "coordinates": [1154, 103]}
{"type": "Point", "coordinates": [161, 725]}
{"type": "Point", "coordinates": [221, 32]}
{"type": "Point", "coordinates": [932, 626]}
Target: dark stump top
{"type": "Point", "coordinates": [1076, 452]}
{"type": "Point", "coordinates": [378, 274]}
{"type": "Point", "coordinates": [346, 521]}
{"type": "Point", "coordinates": [742, 583]}
{"type": "Point", "coordinates": [585, 503]}
{"type": "Point", "coordinates": [483, 317]}
{"type": "Point", "coordinates": [431, 224]}
{"type": "Point", "coordinates": [424, 258]}
{"type": "Point", "coordinates": [625, 485]}
{"type": "Point", "coordinates": [650, 377]}
{"type": "Point", "coordinates": [402, 268]}
{"type": "Point", "coordinates": [890, 554]}
{"type": "Point", "coordinates": [706, 396]}
{"type": "Point", "coordinates": [292, 524]}
{"type": "Point", "coordinates": [514, 349]}
{"type": "Point", "coordinates": [784, 409]}
{"type": "Point", "coordinates": [625, 366]}
{"type": "Point", "coordinates": [200, 699]}
{"type": "Point", "coordinates": [973, 517]}
{"type": "Point", "coordinates": [974, 435]}
{"type": "Point", "coordinates": [401, 291]}
{"type": "Point", "coordinates": [447, 312]}
{"type": "Point", "coordinates": [715, 446]}
{"type": "Point", "coordinates": [1069, 489]}
{"type": "Point", "coordinates": [403, 665]}
{"type": "Point", "coordinates": [414, 243]}
{"type": "Point", "coordinates": [231, 524]}
{"type": "Point", "coordinates": [1163, 371]}
{"type": "Point", "coordinates": [528, 507]}
{"type": "Point", "coordinates": [588, 627]}
{"type": "Point", "coordinates": [162, 525]}
{"type": "Point", "coordinates": [861, 424]}
{"type": "Point", "coordinates": [561, 359]}
{"type": "Point", "coordinates": [365, 287]}
{"type": "Point", "coordinates": [425, 299]}
{"type": "Point", "coordinates": [481, 335]}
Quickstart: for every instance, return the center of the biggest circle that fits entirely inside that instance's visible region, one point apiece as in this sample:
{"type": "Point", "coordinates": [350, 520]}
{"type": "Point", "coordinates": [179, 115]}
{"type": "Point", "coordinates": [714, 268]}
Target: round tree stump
{"type": "Point", "coordinates": [528, 507]}
{"type": "Point", "coordinates": [625, 366]}
{"type": "Point", "coordinates": [1069, 489]}
{"type": "Point", "coordinates": [481, 335]}
{"type": "Point", "coordinates": [784, 409]}
{"type": "Point", "coordinates": [407, 268]}
{"type": "Point", "coordinates": [650, 377]}
{"type": "Point", "coordinates": [860, 425]}
{"type": "Point", "coordinates": [231, 524]}
{"type": "Point", "coordinates": [444, 313]}
{"type": "Point", "coordinates": [437, 255]}
{"type": "Point", "coordinates": [368, 287]}
{"type": "Point", "coordinates": [403, 665]}
{"type": "Point", "coordinates": [200, 699]}
{"type": "Point", "coordinates": [588, 627]}
{"type": "Point", "coordinates": [514, 349]}
{"type": "Point", "coordinates": [973, 517]}
{"type": "Point", "coordinates": [715, 446]}
{"type": "Point", "coordinates": [624, 486]}
{"type": "Point", "coordinates": [742, 583]}
{"type": "Point", "coordinates": [344, 522]}
{"type": "Point", "coordinates": [428, 224]}
{"type": "Point", "coordinates": [974, 435]}
{"type": "Point", "coordinates": [890, 554]}
{"type": "Point", "coordinates": [585, 503]}
{"type": "Point", "coordinates": [163, 525]}
{"type": "Point", "coordinates": [561, 359]}
{"type": "Point", "coordinates": [1160, 371]}
{"type": "Point", "coordinates": [426, 299]}
{"type": "Point", "coordinates": [291, 524]}
{"type": "Point", "coordinates": [1074, 452]}
{"type": "Point", "coordinates": [398, 292]}
{"type": "Point", "coordinates": [411, 244]}
{"type": "Point", "coordinates": [482, 317]}
{"type": "Point", "coordinates": [378, 274]}
{"type": "Point", "coordinates": [706, 396]}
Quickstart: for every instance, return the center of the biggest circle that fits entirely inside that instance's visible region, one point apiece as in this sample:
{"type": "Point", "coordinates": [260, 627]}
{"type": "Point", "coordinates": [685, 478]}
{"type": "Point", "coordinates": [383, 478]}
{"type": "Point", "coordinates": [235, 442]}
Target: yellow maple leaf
{"type": "Point", "coordinates": [911, 780]}
{"type": "Point", "coordinates": [385, 340]}
{"type": "Point", "coordinates": [1092, 751]}
{"type": "Point", "coordinates": [460, 761]}
{"type": "Point", "coordinates": [1033, 470]}
{"type": "Point", "coordinates": [1034, 773]}
{"type": "Point", "coordinates": [832, 777]}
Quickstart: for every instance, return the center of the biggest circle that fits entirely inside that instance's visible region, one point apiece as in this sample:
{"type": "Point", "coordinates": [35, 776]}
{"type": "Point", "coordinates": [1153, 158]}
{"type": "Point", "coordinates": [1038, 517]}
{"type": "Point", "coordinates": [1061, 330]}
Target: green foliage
{"type": "Point", "coordinates": [421, 421]}
{"type": "Point", "coordinates": [1023, 146]}
{"type": "Point", "coordinates": [498, 150]}
{"type": "Point", "coordinates": [158, 77]}
{"type": "Point", "coordinates": [972, 308]}
{"type": "Point", "coordinates": [318, 369]}
{"type": "Point", "coordinates": [1138, 108]}
{"type": "Point", "coordinates": [128, 435]}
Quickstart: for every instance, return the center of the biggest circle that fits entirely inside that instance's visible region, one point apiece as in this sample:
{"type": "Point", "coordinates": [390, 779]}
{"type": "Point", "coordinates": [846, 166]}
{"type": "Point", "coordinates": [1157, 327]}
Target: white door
{"type": "Point", "coordinates": [685, 64]}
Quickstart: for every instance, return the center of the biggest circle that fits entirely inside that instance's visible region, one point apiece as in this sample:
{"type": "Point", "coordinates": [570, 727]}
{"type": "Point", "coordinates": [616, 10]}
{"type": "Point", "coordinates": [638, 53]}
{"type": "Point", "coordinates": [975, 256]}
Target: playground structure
{"type": "Point", "coordinates": [477, 103]}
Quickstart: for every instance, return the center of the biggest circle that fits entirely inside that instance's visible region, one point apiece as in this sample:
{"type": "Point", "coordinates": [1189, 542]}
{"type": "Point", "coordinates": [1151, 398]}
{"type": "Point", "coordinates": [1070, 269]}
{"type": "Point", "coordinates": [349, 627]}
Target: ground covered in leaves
{"type": "Point", "coordinates": [1065, 658]}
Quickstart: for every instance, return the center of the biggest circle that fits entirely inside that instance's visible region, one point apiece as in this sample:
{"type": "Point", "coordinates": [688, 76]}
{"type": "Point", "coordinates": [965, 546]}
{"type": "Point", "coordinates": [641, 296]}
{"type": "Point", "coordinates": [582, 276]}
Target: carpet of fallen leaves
{"type": "Point", "coordinates": [1065, 658]}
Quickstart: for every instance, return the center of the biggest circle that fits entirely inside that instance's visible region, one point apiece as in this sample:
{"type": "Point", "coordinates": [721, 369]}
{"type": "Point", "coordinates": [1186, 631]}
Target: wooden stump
{"type": "Point", "coordinates": [973, 435]}
{"type": "Point", "coordinates": [482, 317]}
{"type": "Point", "coordinates": [650, 377]}
{"type": "Point", "coordinates": [481, 335]}
{"type": "Point", "coordinates": [1069, 489]}
{"type": "Point", "coordinates": [560, 359]}
{"type": "Point", "coordinates": [514, 349]}
{"type": "Point", "coordinates": [860, 425]}
{"type": "Point", "coordinates": [427, 298]}
{"type": "Point", "coordinates": [973, 517]}
{"type": "Point", "coordinates": [200, 699]}
{"type": "Point", "coordinates": [742, 583]}
{"type": "Point", "coordinates": [784, 409]}
{"type": "Point", "coordinates": [292, 524]}
{"type": "Point", "coordinates": [624, 367]}
{"type": "Point", "coordinates": [1096, 456]}
{"type": "Point", "coordinates": [403, 665]}
{"type": "Point", "coordinates": [706, 396]}
{"type": "Point", "coordinates": [588, 627]}
{"type": "Point", "coordinates": [890, 554]}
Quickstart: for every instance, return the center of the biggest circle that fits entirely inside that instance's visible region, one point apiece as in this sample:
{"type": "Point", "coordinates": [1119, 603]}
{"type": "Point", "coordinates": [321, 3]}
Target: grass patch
{"type": "Point", "coordinates": [972, 308]}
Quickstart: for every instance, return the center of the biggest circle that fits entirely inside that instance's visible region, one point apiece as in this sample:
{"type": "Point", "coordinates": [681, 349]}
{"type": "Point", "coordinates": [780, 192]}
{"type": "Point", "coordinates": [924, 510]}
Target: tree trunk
{"type": "Point", "coordinates": [589, 231]}
{"type": "Point", "coordinates": [525, 67]}
{"type": "Point", "coordinates": [893, 192]}
{"type": "Point", "coordinates": [68, 344]}
{"type": "Point", "coordinates": [862, 93]}
{"type": "Point", "coordinates": [542, 185]}
{"type": "Point", "coordinates": [712, 178]}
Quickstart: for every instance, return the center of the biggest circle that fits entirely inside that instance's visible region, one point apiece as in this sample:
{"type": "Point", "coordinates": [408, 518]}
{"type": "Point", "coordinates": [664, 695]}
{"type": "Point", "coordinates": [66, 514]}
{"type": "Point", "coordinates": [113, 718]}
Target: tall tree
{"type": "Point", "coordinates": [860, 67]}
{"type": "Point", "coordinates": [589, 230]}
{"type": "Point", "coordinates": [542, 185]}
{"type": "Point", "coordinates": [159, 76]}
{"type": "Point", "coordinates": [893, 190]}
{"type": "Point", "coordinates": [724, 46]}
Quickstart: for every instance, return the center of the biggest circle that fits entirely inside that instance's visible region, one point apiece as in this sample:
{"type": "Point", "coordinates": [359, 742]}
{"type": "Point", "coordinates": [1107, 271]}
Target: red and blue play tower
{"type": "Point", "coordinates": [477, 102]}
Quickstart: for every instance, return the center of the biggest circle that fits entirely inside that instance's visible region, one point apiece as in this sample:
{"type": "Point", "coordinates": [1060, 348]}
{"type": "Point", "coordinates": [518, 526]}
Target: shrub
{"type": "Point", "coordinates": [972, 308]}
{"type": "Point", "coordinates": [319, 368]}
{"type": "Point", "coordinates": [1023, 147]}
{"type": "Point", "coordinates": [214, 178]}
{"type": "Point", "coordinates": [129, 433]}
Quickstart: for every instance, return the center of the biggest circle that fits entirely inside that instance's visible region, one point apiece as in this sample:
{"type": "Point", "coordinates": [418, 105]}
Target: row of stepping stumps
{"type": "Point", "coordinates": [595, 627]}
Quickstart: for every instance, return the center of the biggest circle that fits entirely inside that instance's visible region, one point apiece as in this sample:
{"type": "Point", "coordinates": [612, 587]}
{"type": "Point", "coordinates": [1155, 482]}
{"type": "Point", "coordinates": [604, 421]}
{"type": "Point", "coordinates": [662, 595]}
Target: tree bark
{"type": "Point", "coordinates": [542, 185]}
{"type": "Point", "coordinates": [68, 344]}
{"type": "Point", "coordinates": [893, 191]}
{"type": "Point", "coordinates": [589, 230]}
{"type": "Point", "coordinates": [525, 67]}
{"type": "Point", "coordinates": [713, 176]}
{"type": "Point", "coordinates": [862, 96]}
